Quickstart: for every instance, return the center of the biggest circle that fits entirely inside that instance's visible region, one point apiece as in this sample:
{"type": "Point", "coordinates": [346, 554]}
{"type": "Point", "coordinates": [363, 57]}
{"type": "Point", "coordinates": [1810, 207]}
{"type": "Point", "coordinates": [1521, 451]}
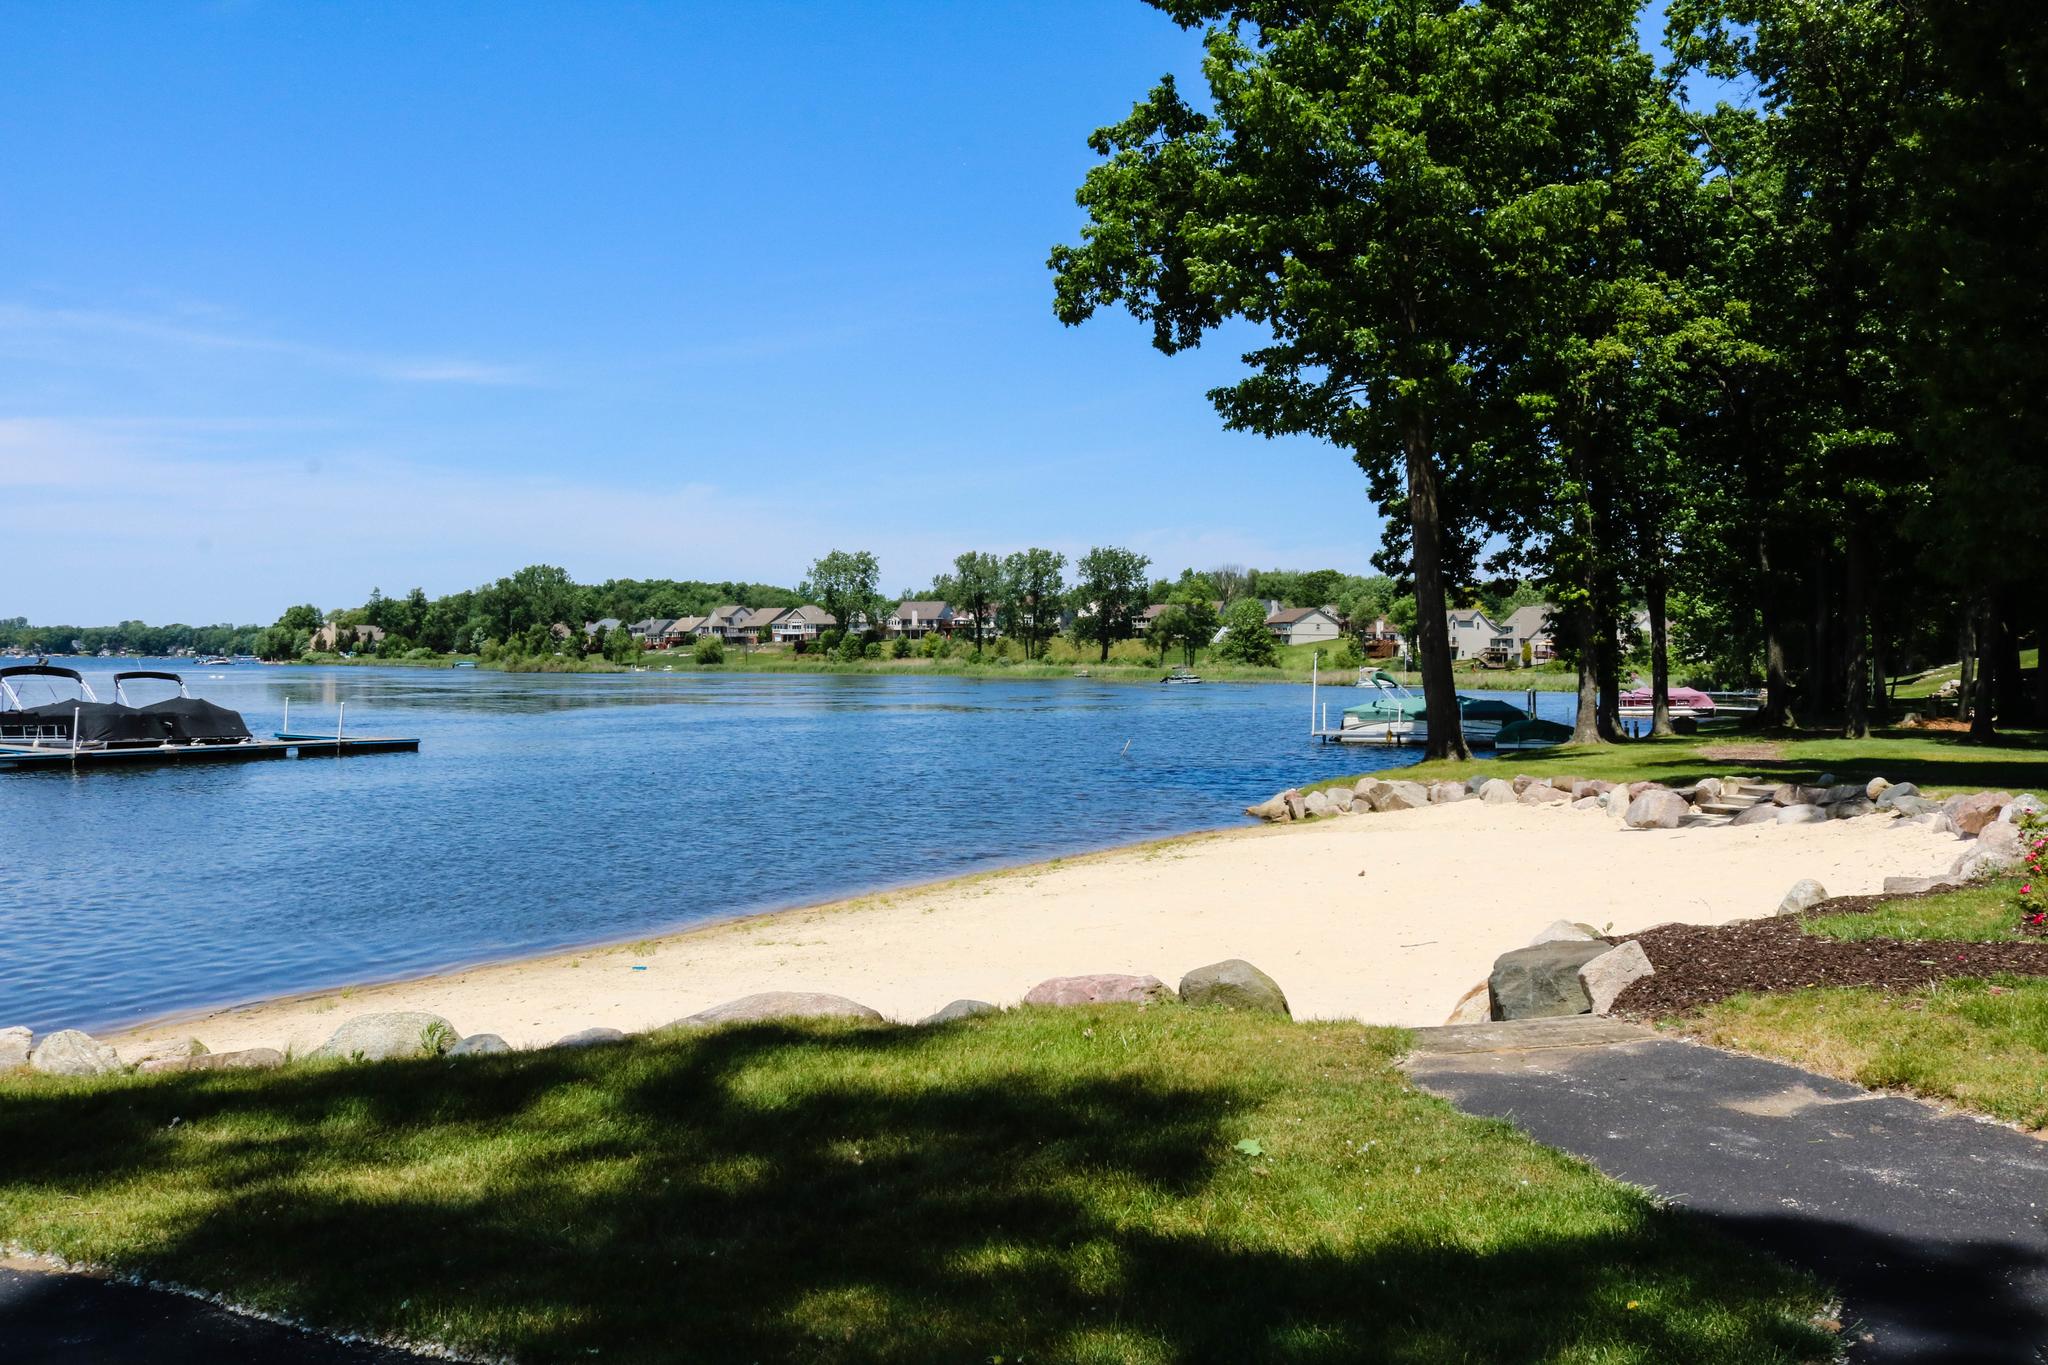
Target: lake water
{"type": "Point", "coordinates": [547, 811]}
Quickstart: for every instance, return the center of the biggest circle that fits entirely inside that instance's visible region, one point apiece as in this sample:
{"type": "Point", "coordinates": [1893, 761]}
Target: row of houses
{"type": "Point", "coordinates": [732, 624]}
{"type": "Point", "coordinates": [1289, 625]}
{"type": "Point", "coordinates": [1523, 637]}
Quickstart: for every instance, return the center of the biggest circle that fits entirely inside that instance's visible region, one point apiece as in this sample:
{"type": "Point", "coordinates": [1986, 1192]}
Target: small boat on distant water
{"type": "Point", "coordinates": [1178, 674]}
{"type": "Point", "coordinates": [217, 661]}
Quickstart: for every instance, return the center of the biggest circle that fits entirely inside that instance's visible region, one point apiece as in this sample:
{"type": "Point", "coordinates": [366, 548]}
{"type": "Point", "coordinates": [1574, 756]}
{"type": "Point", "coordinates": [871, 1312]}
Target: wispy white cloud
{"type": "Point", "coordinates": [110, 337]}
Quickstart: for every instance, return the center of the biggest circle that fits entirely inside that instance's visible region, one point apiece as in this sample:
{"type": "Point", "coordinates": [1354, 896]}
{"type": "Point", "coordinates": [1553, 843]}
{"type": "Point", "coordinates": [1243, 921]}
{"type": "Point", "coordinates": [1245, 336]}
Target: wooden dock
{"type": "Point", "coordinates": [31, 758]}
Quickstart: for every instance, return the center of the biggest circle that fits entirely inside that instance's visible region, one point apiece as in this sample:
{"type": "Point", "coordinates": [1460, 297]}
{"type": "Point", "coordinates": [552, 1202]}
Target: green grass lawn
{"type": "Point", "coordinates": [1984, 912]}
{"type": "Point", "coordinates": [1102, 1185]}
{"type": "Point", "coordinates": [1935, 762]}
{"type": "Point", "coordinates": [1979, 1044]}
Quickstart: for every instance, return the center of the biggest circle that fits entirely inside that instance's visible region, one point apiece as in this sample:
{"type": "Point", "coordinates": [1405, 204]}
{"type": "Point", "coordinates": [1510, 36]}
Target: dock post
{"type": "Point", "coordinates": [1314, 660]}
{"type": "Point", "coordinates": [340, 714]}
{"type": "Point", "coordinates": [287, 726]}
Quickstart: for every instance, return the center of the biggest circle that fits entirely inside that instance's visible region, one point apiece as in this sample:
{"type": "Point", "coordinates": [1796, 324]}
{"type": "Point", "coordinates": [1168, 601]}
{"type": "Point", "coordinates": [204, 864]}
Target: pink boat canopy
{"type": "Point", "coordinates": [1685, 698]}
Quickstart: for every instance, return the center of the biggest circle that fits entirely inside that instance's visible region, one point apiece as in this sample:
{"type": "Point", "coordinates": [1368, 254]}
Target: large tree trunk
{"type": "Point", "coordinates": [1586, 723]}
{"type": "Point", "coordinates": [1660, 656]}
{"type": "Point", "coordinates": [1966, 660]}
{"type": "Point", "coordinates": [1855, 661]}
{"type": "Point", "coordinates": [1432, 630]}
{"type": "Point", "coordinates": [1820, 655]}
{"type": "Point", "coordinates": [1983, 718]}
{"type": "Point", "coordinates": [1777, 706]}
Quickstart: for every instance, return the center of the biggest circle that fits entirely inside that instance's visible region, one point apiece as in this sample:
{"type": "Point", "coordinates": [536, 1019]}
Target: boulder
{"type": "Point", "coordinates": [1804, 895]}
{"type": "Point", "coordinates": [1813, 796]}
{"type": "Point", "coordinates": [754, 1009]}
{"type": "Point", "coordinates": [14, 1047]}
{"type": "Point", "coordinates": [1786, 794]}
{"type": "Point", "coordinates": [1523, 782]}
{"type": "Point", "coordinates": [1708, 789]}
{"type": "Point", "coordinates": [2026, 803]}
{"type": "Point", "coordinates": [1340, 799]}
{"type": "Point", "coordinates": [1615, 800]}
{"type": "Point", "coordinates": [1875, 788]}
{"type": "Point", "coordinates": [591, 1037]}
{"type": "Point", "coordinates": [1656, 810]}
{"type": "Point", "coordinates": [1443, 793]}
{"type": "Point", "coordinates": [242, 1059]}
{"type": "Point", "coordinates": [401, 1033]}
{"type": "Point", "coordinates": [1973, 812]}
{"type": "Point", "coordinates": [1316, 803]}
{"type": "Point", "coordinates": [1802, 815]}
{"type": "Point", "coordinates": [1542, 982]}
{"type": "Point", "coordinates": [1891, 796]}
{"type": "Point", "coordinates": [1587, 803]}
{"type": "Point", "coordinates": [1826, 779]}
{"type": "Point", "coordinates": [1935, 819]}
{"type": "Point", "coordinates": [1103, 988]}
{"type": "Point", "coordinates": [1564, 931]}
{"type": "Point", "coordinates": [1497, 793]}
{"type": "Point", "coordinates": [1763, 813]}
{"type": "Point", "coordinates": [1475, 782]}
{"type": "Point", "coordinates": [1542, 794]}
{"type": "Point", "coordinates": [1363, 793]}
{"type": "Point", "coordinates": [1850, 809]}
{"type": "Point", "coordinates": [1400, 796]}
{"type": "Point", "coordinates": [1997, 849]}
{"type": "Point", "coordinates": [1233, 985]}
{"type": "Point", "coordinates": [1613, 972]}
{"type": "Point", "coordinates": [1273, 808]}
{"type": "Point", "coordinates": [68, 1052]}
{"type": "Point", "coordinates": [1636, 789]}
{"type": "Point", "coordinates": [1842, 791]}
{"type": "Point", "coordinates": [1297, 805]}
{"type": "Point", "coordinates": [1913, 886]}
{"type": "Point", "coordinates": [959, 1009]}
{"type": "Point", "coordinates": [480, 1045]}
{"type": "Point", "coordinates": [1600, 786]}
{"type": "Point", "coordinates": [1474, 1007]}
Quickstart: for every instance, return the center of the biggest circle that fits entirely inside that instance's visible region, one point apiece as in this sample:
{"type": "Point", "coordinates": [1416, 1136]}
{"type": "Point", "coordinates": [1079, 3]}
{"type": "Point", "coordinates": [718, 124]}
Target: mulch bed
{"type": "Point", "coordinates": [1698, 964]}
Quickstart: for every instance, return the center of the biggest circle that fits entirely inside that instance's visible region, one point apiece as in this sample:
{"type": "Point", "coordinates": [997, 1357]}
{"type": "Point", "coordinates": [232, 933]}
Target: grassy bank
{"type": "Point", "coordinates": [1979, 1044]}
{"type": "Point", "coordinates": [1075, 1185]}
{"type": "Point", "coordinates": [1932, 761]}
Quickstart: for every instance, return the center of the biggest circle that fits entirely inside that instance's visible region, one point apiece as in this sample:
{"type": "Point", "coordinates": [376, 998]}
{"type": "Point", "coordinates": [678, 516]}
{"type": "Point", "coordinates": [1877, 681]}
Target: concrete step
{"type": "Point", "coordinates": [1728, 808]}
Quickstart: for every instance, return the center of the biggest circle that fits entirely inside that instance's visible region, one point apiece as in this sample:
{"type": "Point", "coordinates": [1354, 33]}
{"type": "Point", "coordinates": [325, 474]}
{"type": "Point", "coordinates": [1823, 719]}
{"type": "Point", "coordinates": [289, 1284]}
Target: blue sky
{"type": "Point", "coordinates": [305, 298]}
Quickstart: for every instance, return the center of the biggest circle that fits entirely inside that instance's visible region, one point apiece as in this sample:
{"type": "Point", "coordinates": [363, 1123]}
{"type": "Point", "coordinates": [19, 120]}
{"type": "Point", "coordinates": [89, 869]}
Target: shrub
{"type": "Point", "coordinates": [851, 649]}
{"type": "Point", "coordinates": [2033, 893]}
{"type": "Point", "coordinates": [900, 649]}
{"type": "Point", "coordinates": [709, 650]}
{"type": "Point", "coordinates": [1348, 654]}
{"type": "Point", "coordinates": [873, 650]}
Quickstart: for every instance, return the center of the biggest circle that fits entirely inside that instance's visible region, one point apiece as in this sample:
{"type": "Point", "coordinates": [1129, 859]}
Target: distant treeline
{"type": "Point", "coordinates": [128, 638]}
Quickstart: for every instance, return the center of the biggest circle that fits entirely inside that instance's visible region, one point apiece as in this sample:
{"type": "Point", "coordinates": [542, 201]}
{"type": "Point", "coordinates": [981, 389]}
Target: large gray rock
{"type": "Point", "coordinates": [1474, 1007]}
{"type": "Point", "coordinates": [1588, 803]}
{"type": "Point", "coordinates": [754, 1009]}
{"type": "Point", "coordinates": [1804, 895]}
{"type": "Point", "coordinates": [1317, 803]}
{"type": "Point", "coordinates": [1936, 820]}
{"type": "Point", "coordinates": [959, 1009]}
{"type": "Point", "coordinates": [1801, 815]}
{"type": "Point", "coordinates": [1443, 793]}
{"type": "Point", "coordinates": [1497, 793]}
{"type": "Point", "coordinates": [1273, 808]}
{"type": "Point", "coordinates": [1763, 813]}
{"type": "Point", "coordinates": [1909, 806]}
{"type": "Point", "coordinates": [480, 1045]}
{"type": "Point", "coordinates": [1613, 972]}
{"type": "Point", "coordinates": [1297, 805]}
{"type": "Point", "coordinates": [1542, 794]}
{"type": "Point", "coordinates": [68, 1052]}
{"type": "Point", "coordinates": [1400, 796]}
{"type": "Point", "coordinates": [14, 1048]}
{"type": "Point", "coordinates": [242, 1059]}
{"type": "Point", "coordinates": [1850, 809]}
{"type": "Point", "coordinates": [1615, 800]}
{"type": "Point", "coordinates": [1889, 796]}
{"type": "Point", "coordinates": [2026, 803]}
{"type": "Point", "coordinates": [1843, 791]}
{"type": "Point", "coordinates": [1102, 988]}
{"type": "Point", "coordinates": [1366, 788]}
{"type": "Point", "coordinates": [1656, 809]}
{"type": "Point", "coordinates": [1787, 794]}
{"type": "Point", "coordinates": [1233, 984]}
{"type": "Point", "coordinates": [1564, 931]}
{"type": "Point", "coordinates": [1340, 799]}
{"type": "Point", "coordinates": [1998, 849]}
{"type": "Point", "coordinates": [401, 1033]}
{"type": "Point", "coordinates": [1707, 790]}
{"type": "Point", "coordinates": [1542, 982]}
{"type": "Point", "coordinates": [1913, 886]}
{"type": "Point", "coordinates": [1476, 781]}
{"type": "Point", "coordinates": [591, 1037]}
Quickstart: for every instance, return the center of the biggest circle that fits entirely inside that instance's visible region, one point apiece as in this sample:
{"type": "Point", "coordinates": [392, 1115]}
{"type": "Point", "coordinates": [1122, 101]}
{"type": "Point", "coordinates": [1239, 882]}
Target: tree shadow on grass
{"type": "Point", "coordinates": [834, 1194]}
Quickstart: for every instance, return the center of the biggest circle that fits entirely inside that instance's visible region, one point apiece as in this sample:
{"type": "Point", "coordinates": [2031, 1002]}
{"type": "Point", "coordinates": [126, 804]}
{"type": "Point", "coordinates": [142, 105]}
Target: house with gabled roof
{"type": "Point", "coordinates": [1527, 635]}
{"type": "Point", "coordinates": [1304, 625]}
{"type": "Point", "coordinates": [802, 624]}
{"type": "Point", "coordinates": [913, 620]}
{"type": "Point", "coordinates": [1472, 632]}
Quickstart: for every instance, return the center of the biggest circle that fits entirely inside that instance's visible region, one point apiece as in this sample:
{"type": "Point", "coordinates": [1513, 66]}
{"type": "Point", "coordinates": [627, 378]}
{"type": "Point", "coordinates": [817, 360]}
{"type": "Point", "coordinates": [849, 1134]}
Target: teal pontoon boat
{"type": "Point", "coordinates": [1398, 716]}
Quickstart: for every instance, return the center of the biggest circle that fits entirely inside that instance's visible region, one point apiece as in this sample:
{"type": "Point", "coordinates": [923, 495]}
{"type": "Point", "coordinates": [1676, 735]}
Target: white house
{"type": "Point", "coordinates": [1304, 625]}
{"type": "Point", "coordinates": [915, 620]}
{"type": "Point", "coordinates": [1472, 634]}
{"type": "Point", "coordinates": [802, 623]}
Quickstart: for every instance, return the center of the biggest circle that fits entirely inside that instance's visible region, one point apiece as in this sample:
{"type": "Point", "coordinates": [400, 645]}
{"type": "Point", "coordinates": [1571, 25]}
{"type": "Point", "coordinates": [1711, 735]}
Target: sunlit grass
{"type": "Point", "coordinates": [1980, 1044]}
{"type": "Point", "coordinates": [1105, 1185]}
{"type": "Point", "coordinates": [1987, 912]}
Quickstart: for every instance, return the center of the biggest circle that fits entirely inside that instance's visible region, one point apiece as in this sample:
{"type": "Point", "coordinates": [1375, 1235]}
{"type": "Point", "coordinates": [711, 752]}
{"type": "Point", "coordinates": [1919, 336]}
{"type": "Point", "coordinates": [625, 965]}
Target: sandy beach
{"type": "Point", "coordinates": [1384, 918]}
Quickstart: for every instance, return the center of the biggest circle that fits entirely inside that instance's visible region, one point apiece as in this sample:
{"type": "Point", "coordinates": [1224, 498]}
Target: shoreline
{"type": "Point", "coordinates": [1385, 918]}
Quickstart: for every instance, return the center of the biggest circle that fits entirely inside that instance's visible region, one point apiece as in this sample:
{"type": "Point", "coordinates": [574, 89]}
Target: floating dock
{"type": "Point", "coordinates": [25, 757]}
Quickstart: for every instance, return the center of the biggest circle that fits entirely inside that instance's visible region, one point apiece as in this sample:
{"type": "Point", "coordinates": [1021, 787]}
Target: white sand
{"type": "Point", "coordinates": [1385, 918]}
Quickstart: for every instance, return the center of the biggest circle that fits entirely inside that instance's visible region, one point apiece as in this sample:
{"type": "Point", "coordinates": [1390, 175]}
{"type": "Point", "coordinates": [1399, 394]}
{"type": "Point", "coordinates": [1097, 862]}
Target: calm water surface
{"type": "Point", "coordinates": [546, 811]}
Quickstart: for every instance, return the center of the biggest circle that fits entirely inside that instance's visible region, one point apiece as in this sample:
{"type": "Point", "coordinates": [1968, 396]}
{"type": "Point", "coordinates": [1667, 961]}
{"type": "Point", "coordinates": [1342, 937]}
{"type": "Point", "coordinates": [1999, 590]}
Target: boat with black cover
{"type": "Point", "coordinates": [73, 722]}
{"type": "Point", "coordinates": [186, 719]}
